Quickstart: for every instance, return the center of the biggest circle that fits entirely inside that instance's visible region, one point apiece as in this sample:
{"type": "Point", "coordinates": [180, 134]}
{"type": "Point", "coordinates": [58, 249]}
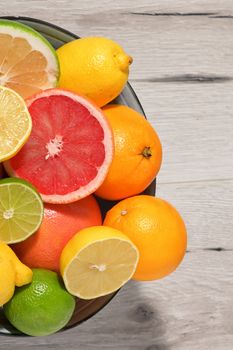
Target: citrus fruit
{"type": "Point", "coordinates": [7, 280]}
{"type": "Point", "coordinates": [60, 223]}
{"type": "Point", "coordinates": [138, 154]}
{"type": "Point", "coordinates": [156, 228]}
{"type": "Point", "coordinates": [1, 171]}
{"type": "Point", "coordinates": [42, 307]}
{"type": "Point", "coordinates": [21, 210]}
{"type": "Point", "coordinates": [70, 148]}
{"type": "Point", "coordinates": [96, 67]}
{"type": "Point", "coordinates": [12, 273]}
{"type": "Point", "coordinates": [97, 261]}
{"type": "Point", "coordinates": [28, 63]}
{"type": "Point", "coordinates": [15, 123]}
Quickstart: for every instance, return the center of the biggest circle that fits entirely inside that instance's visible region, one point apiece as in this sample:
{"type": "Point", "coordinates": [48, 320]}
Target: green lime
{"type": "Point", "coordinates": [42, 307]}
{"type": "Point", "coordinates": [21, 210]}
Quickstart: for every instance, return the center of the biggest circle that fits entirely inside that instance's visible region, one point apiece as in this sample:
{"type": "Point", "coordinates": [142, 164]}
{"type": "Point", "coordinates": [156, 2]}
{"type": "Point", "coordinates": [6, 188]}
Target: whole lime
{"type": "Point", "coordinates": [42, 307]}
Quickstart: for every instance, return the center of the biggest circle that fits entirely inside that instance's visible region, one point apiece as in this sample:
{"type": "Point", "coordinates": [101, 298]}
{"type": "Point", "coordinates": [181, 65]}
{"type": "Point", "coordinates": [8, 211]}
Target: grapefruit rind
{"type": "Point", "coordinates": [37, 42]}
{"type": "Point", "coordinates": [108, 143]}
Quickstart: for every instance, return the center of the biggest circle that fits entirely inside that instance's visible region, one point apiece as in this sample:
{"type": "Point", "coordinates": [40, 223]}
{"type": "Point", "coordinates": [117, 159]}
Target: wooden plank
{"type": "Point", "coordinates": [183, 75]}
{"type": "Point", "coordinates": [162, 7]}
{"type": "Point", "coordinates": [191, 309]}
{"type": "Point", "coordinates": [178, 46]}
{"type": "Point", "coordinates": [207, 210]}
{"type": "Point", "coordinates": [194, 122]}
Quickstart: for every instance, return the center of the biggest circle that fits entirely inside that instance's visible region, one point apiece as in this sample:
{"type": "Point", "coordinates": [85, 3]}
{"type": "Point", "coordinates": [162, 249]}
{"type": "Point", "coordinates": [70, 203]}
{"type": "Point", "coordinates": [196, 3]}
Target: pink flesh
{"type": "Point", "coordinates": [82, 152]}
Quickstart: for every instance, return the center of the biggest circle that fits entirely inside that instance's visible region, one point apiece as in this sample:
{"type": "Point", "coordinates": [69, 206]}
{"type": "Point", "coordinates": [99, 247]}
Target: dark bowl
{"type": "Point", "coordinates": [84, 308]}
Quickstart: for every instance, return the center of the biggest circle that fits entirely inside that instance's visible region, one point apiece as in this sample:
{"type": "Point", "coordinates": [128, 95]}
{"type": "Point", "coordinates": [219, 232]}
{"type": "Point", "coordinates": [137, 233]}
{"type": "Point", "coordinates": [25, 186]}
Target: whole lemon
{"type": "Point", "coordinates": [96, 67]}
{"type": "Point", "coordinates": [12, 273]}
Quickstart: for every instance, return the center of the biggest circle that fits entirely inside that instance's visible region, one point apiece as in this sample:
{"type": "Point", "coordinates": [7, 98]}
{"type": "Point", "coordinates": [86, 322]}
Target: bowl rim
{"type": "Point", "coordinates": [67, 32]}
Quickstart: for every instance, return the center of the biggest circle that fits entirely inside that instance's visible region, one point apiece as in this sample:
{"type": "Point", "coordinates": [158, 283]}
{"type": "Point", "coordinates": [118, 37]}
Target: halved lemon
{"type": "Point", "coordinates": [15, 123]}
{"type": "Point", "coordinates": [97, 261]}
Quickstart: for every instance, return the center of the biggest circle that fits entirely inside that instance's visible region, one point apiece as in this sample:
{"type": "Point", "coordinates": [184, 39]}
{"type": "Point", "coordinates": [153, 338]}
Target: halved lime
{"type": "Point", "coordinates": [28, 63]}
{"type": "Point", "coordinates": [21, 210]}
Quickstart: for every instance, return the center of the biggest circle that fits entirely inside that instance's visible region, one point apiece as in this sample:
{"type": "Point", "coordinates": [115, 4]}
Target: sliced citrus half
{"type": "Point", "coordinates": [15, 123]}
{"type": "Point", "coordinates": [69, 150]}
{"type": "Point", "coordinates": [97, 261]}
{"type": "Point", "coordinates": [21, 210]}
{"type": "Point", "coordinates": [28, 63]}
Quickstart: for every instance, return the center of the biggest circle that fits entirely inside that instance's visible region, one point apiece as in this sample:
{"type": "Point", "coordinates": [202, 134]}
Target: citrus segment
{"type": "Point", "coordinates": [70, 148]}
{"type": "Point", "coordinates": [97, 261]}
{"type": "Point", "coordinates": [21, 210]}
{"type": "Point", "coordinates": [28, 63]}
{"type": "Point", "coordinates": [15, 123]}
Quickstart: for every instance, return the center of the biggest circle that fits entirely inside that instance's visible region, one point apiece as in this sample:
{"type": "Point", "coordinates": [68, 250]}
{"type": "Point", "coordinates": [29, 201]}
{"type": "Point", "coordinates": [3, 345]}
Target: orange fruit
{"type": "Point", "coordinates": [60, 223]}
{"type": "Point", "coordinates": [138, 154]}
{"type": "Point", "coordinates": [156, 229]}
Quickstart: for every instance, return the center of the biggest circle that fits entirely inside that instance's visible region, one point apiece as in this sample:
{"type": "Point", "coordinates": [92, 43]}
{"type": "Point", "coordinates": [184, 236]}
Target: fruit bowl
{"type": "Point", "coordinates": [84, 308]}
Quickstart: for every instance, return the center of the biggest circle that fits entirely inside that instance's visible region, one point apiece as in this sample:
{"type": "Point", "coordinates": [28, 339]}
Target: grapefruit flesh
{"type": "Point", "coordinates": [28, 63]}
{"type": "Point", "coordinates": [60, 223]}
{"type": "Point", "coordinates": [70, 148]}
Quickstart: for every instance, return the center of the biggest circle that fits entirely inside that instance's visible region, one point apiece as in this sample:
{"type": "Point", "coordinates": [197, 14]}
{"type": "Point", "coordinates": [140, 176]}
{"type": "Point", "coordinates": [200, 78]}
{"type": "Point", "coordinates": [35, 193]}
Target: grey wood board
{"type": "Point", "coordinates": [183, 75]}
{"type": "Point", "coordinates": [194, 122]}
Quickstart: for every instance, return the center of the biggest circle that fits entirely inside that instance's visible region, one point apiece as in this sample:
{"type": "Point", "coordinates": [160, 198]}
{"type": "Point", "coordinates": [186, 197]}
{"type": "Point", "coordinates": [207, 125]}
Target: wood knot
{"type": "Point", "coordinates": [143, 313]}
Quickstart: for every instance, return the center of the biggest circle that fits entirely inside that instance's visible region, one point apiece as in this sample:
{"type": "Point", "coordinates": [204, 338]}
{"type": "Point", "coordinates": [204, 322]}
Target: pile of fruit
{"type": "Point", "coordinates": [62, 145]}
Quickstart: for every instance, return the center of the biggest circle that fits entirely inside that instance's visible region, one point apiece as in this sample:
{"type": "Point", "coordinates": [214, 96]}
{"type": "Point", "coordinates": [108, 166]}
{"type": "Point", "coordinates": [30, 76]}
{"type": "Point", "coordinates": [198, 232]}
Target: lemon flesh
{"type": "Point", "coordinates": [97, 261]}
{"type": "Point", "coordinates": [15, 123]}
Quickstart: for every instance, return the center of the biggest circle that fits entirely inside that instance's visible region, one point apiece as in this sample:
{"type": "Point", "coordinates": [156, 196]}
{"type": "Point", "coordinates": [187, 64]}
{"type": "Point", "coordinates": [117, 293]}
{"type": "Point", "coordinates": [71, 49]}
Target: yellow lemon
{"type": "Point", "coordinates": [7, 280]}
{"type": "Point", "coordinates": [97, 261]}
{"type": "Point", "coordinates": [15, 123]}
{"type": "Point", "coordinates": [12, 273]}
{"type": "Point", "coordinates": [96, 67]}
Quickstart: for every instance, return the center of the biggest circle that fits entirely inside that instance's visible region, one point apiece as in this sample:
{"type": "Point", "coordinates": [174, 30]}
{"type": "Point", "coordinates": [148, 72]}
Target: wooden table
{"type": "Point", "coordinates": [183, 75]}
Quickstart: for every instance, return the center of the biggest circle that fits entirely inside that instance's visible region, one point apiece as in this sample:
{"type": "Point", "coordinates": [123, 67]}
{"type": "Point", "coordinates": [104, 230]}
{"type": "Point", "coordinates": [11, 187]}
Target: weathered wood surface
{"type": "Point", "coordinates": [183, 75]}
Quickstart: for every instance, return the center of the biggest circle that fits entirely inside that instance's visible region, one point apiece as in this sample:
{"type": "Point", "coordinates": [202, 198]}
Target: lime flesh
{"type": "Point", "coordinates": [21, 210]}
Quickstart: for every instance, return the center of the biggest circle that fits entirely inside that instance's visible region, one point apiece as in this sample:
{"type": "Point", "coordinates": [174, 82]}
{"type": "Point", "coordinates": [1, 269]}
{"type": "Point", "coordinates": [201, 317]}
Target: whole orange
{"type": "Point", "coordinates": [60, 223]}
{"type": "Point", "coordinates": [157, 230]}
{"type": "Point", "coordinates": [138, 154]}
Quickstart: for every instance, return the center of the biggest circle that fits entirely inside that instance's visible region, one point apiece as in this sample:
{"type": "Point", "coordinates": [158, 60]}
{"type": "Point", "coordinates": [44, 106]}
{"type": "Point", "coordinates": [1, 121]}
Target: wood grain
{"type": "Point", "coordinates": [183, 75]}
{"type": "Point", "coordinates": [194, 122]}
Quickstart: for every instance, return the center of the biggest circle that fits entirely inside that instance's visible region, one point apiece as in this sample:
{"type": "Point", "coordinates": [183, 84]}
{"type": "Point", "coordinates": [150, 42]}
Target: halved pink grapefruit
{"type": "Point", "coordinates": [70, 149]}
